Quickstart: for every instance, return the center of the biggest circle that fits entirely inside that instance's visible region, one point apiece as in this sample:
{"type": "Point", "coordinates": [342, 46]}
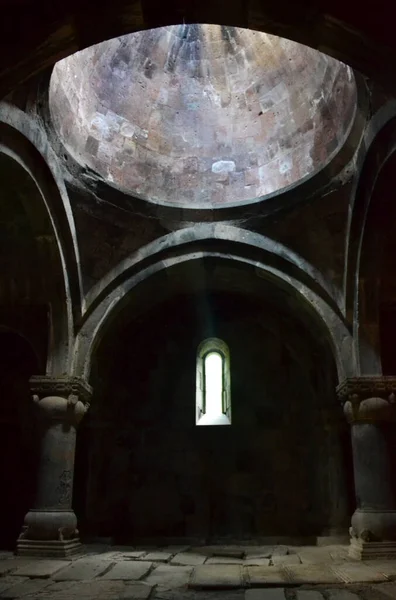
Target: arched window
{"type": "Point", "coordinates": [213, 398]}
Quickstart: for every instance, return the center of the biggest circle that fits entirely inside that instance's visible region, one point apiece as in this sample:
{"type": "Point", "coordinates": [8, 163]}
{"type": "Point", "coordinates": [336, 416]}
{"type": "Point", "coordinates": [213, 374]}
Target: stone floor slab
{"type": "Point", "coordinates": [83, 569]}
{"type": "Point", "coordinates": [265, 594]}
{"type": "Point", "coordinates": [263, 576]}
{"type": "Point", "coordinates": [41, 568]}
{"type": "Point", "coordinates": [256, 562]}
{"type": "Point", "coordinates": [308, 595]}
{"type": "Point", "coordinates": [170, 577]}
{"type": "Point", "coordinates": [217, 577]}
{"type": "Point", "coordinates": [286, 559]}
{"type": "Point", "coordinates": [263, 553]}
{"type": "Point", "coordinates": [188, 559]}
{"type": "Point", "coordinates": [227, 552]}
{"type": "Point", "coordinates": [128, 569]}
{"type": "Point", "coordinates": [159, 556]}
{"type": "Point", "coordinates": [358, 573]}
{"type": "Point", "coordinates": [8, 581]}
{"type": "Point", "coordinates": [6, 566]}
{"type": "Point", "coordinates": [387, 588]}
{"type": "Point", "coordinates": [387, 567]}
{"type": "Point", "coordinates": [136, 591]}
{"type": "Point", "coordinates": [222, 560]}
{"type": "Point", "coordinates": [133, 555]}
{"type": "Point", "coordinates": [314, 555]}
{"type": "Point", "coordinates": [95, 590]}
{"type": "Point", "coordinates": [280, 551]}
{"type": "Point", "coordinates": [311, 573]}
{"type": "Point", "coordinates": [24, 588]}
{"type": "Point", "coordinates": [341, 595]}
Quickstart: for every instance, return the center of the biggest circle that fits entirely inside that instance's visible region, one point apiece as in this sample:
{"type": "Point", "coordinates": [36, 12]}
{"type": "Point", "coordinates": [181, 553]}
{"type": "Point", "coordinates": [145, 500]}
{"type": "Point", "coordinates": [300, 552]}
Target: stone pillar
{"type": "Point", "coordinates": [50, 527]}
{"type": "Point", "coordinates": [369, 406]}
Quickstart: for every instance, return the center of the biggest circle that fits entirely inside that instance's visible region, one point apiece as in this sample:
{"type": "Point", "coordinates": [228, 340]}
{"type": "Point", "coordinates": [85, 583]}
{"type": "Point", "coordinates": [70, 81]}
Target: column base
{"type": "Point", "coordinates": [49, 548]}
{"type": "Point", "coordinates": [361, 550]}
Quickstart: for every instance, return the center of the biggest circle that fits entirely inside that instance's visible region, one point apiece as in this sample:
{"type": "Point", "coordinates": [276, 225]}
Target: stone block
{"type": "Point", "coordinates": [83, 569]}
{"type": "Point", "coordinates": [312, 573]}
{"type": "Point", "coordinates": [170, 577]}
{"type": "Point", "coordinates": [358, 573]}
{"type": "Point", "coordinates": [265, 594]}
{"type": "Point", "coordinates": [41, 568]}
{"type": "Point", "coordinates": [188, 558]}
{"type": "Point", "coordinates": [128, 569]}
{"type": "Point", "coordinates": [361, 550]}
{"type": "Point", "coordinates": [216, 577]}
{"type": "Point", "coordinates": [264, 576]}
{"type": "Point", "coordinates": [158, 556]}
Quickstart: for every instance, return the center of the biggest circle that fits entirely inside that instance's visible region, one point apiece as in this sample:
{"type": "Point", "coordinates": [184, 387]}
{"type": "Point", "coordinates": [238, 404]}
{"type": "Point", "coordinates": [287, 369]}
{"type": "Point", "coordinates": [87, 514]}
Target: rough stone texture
{"type": "Point", "coordinates": [223, 560]}
{"type": "Point", "coordinates": [136, 591]}
{"type": "Point", "coordinates": [270, 594]}
{"type": "Point", "coordinates": [170, 576]}
{"type": "Point", "coordinates": [308, 595]}
{"type": "Point", "coordinates": [90, 590]}
{"type": "Point", "coordinates": [199, 114]}
{"type": "Point", "coordinates": [387, 588]}
{"type": "Point", "coordinates": [256, 562]}
{"type": "Point", "coordinates": [264, 576]}
{"type": "Point", "coordinates": [312, 573]}
{"type": "Point", "coordinates": [354, 573]}
{"type": "Point", "coordinates": [216, 577]}
{"type": "Point", "coordinates": [6, 566]}
{"type": "Point", "coordinates": [288, 559]}
{"type": "Point", "coordinates": [157, 556]}
{"type": "Point", "coordinates": [342, 595]}
{"type": "Point", "coordinates": [83, 569]}
{"type": "Point", "coordinates": [25, 588]}
{"type": "Point", "coordinates": [128, 570]}
{"type": "Point", "coordinates": [188, 558]}
{"type": "Point", "coordinates": [8, 582]}
{"type": "Point", "coordinates": [42, 568]}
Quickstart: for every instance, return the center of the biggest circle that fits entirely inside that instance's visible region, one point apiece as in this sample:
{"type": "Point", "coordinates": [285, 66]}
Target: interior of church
{"type": "Point", "coordinates": [197, 295]}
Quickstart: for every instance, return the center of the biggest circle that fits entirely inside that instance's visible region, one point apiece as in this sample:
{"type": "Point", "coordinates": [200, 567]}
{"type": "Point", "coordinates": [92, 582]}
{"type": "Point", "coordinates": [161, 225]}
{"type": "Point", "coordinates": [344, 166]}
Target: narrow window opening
{"type": "Point", "coordinates": [213, 384]}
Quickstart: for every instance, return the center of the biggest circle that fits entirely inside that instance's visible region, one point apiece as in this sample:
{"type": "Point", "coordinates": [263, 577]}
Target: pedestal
{"type": "Point", "coordinates": [50, 527]}
{"type": "Point", "coordinates": [369, 406]}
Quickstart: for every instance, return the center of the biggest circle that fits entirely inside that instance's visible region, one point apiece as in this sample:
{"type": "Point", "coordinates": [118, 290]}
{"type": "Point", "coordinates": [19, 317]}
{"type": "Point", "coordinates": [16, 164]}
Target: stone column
{"type": "Point", "coordinates": [369, 406]}
{"type": "Point", "coordinates": [50, 527]}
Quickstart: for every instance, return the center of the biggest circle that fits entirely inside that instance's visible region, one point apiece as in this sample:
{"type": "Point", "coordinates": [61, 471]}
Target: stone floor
{"type": "Point", "coordinates": [204, 573]}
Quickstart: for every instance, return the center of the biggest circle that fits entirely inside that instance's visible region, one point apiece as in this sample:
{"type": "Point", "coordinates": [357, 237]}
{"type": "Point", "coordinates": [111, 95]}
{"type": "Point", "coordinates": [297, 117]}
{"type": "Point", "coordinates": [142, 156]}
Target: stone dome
{"type": "Point", "coordinates": [202, 115]}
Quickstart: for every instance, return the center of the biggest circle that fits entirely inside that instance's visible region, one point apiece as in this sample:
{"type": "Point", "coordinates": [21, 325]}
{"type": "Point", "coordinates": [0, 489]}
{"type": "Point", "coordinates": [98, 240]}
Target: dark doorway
{"type": "Point", "coordinates": [18, 442]}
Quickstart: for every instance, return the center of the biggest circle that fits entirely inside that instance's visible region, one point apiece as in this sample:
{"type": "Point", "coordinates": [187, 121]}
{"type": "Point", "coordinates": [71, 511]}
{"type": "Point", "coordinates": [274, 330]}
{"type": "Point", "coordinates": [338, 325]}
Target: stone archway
{"type": "Point", "coordinates": [154, 403]}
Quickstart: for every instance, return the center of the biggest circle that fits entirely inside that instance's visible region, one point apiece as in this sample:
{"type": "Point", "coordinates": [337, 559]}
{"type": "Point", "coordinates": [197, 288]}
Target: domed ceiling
{"type": "Point", "coordinates": [202, 115]}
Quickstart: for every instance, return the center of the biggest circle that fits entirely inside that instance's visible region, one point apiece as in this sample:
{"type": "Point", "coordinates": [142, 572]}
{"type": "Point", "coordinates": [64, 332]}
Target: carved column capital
{"type": "Point", "coordinates": [61, 398]}
{"type": "Point", "coordinates": [368, 399]}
